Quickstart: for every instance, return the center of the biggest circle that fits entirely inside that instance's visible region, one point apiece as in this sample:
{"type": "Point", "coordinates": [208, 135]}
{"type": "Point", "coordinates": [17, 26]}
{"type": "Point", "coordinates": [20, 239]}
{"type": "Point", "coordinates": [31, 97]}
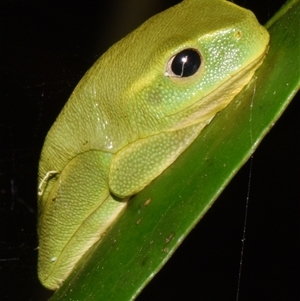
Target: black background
{"type": "Point", "coordinates": [46, 47]}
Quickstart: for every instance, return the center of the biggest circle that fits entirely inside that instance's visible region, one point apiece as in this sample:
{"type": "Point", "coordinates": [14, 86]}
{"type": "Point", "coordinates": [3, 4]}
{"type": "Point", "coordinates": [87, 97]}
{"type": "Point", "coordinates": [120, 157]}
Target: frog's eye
{"type": "Point", "coordinates": [184, 64]}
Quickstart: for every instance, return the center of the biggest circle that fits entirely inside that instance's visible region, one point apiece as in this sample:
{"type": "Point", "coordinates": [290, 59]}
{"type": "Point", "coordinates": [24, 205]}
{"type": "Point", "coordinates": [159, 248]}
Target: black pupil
{"type": "Point", "coordinates": [186, 63]}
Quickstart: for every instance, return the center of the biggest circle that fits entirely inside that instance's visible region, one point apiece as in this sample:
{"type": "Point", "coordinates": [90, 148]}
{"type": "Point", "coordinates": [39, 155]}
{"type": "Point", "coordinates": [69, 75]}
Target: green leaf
{"type": "Point", "coordinates": [158, 219]}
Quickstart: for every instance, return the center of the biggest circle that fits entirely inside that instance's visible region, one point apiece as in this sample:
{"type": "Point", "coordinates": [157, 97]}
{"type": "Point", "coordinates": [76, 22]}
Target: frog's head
{"type": "Point", "coordinates": [190, 64]}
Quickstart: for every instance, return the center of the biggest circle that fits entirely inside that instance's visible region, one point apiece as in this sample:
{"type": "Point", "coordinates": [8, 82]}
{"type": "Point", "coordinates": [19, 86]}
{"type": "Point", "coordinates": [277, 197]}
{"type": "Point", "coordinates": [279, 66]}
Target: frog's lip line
{"type": "Point", "coordinates": [205, 101]}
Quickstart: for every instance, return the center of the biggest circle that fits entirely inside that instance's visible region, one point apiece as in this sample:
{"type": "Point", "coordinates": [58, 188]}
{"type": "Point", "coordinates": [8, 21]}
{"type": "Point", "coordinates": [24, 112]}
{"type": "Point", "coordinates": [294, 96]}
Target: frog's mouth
{"type": "Point", "coordinates": [206, 108]}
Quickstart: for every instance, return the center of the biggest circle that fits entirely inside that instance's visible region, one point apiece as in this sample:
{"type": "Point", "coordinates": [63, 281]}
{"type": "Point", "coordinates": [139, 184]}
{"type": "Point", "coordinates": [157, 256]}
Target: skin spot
{"type": "Point", "coordinates": [237, 35]}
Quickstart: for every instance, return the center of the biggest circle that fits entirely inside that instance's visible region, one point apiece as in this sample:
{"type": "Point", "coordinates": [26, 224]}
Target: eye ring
{"type": "Point", "coordinates": [184, 63]}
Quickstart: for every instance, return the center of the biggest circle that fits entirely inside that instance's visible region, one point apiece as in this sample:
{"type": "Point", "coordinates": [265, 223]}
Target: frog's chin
{"type": "Point", "coordinates": [205, 109]}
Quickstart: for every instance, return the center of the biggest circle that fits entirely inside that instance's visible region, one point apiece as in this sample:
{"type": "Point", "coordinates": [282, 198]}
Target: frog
{"type": "Point", "coordinates": [134, 112]}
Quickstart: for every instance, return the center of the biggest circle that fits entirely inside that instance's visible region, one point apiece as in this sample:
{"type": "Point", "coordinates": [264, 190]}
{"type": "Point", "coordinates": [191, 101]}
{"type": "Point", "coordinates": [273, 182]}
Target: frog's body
{"type": "Point", "coordinates": [132, 115]}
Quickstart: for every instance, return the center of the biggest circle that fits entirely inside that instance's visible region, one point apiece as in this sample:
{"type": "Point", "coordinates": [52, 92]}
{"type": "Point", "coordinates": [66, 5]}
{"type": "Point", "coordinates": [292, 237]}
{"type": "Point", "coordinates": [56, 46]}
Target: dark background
{"type": "Point", "coordinates": [46, 47]}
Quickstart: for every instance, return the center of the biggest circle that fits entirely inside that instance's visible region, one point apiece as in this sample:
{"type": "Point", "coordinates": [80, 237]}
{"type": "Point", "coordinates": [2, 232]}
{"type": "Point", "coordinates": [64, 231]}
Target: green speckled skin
{"type": "Point", "coordinates": [128, 120]}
